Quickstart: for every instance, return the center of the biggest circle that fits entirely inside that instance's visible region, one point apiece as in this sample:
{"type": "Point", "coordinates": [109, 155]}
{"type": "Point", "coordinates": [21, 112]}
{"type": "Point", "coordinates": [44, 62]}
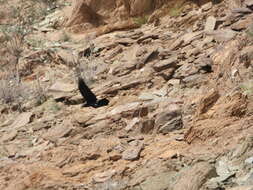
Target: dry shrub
{"type": "Point", "coordinates": [88, 67]}
{"type": "Point", "coordinates": [14, 92]}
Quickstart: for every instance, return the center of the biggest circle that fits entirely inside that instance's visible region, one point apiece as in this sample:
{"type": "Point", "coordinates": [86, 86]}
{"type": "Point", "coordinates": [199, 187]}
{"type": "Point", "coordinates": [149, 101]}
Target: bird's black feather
{"type": "Point", "coordinates": [87, 94]}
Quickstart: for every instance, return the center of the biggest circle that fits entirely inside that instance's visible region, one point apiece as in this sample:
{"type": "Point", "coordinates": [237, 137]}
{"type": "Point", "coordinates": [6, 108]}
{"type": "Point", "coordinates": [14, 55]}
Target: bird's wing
{"type": "Point", "coordinates": [88, 95]}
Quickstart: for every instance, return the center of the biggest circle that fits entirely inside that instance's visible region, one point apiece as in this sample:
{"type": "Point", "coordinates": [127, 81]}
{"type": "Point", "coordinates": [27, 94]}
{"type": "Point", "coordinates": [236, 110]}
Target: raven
{"type": "Point", "coordinates": [89, 96]}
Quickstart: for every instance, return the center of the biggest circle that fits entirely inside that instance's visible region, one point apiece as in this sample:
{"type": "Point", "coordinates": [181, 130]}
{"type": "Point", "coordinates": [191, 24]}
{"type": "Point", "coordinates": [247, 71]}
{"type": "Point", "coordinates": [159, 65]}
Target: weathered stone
{"type": "Point", "coordinates": [167, 74]}
{"type": "Point", "coordinates": [102, 177]}
{"type": "Point", "coordinates": [193, 51]}
{"type": "Point", "coordinates": [22, 120]}
{"type": "Point", "coordinates": [207, 6]}
{"type": "Point", "coordinates": [169, 154]}
{"type": "Point", "coordinates": [207, 101]}
{"type": "Point", "coordinates": [159, 181]}
{"type": "Point", "coordinates": [241, 188]}
{"type": "Point", "coordinates": [132, 124]}
{"type": "Point", "coordinates": [169, 120]}
{"type": "Point", "coordinates": [82, 13]}
{"type": "Point", "coordinates": [193, 178]}
{"type": "Point", "coordinates": [210, 23]}
{"type": "Point", "coordinates": [125, 86]}
{"type": "Point", "coordinates": [242, 10]}
{"type": "Point", "coordinates": [61, 89]}
{"type": "Point", "coordinates": [147, 126]}
{"type": "Point", "coordinates": [152, 36]}
{"type": "Point", "coordinates": [174, 82]}
{"type": "Point", "coordinates": [189, 37]}
{"type": "Point", "coordinates": [176, 44]}
{"type": "Point", "coordinates": [185, 70]}
{"type": "Point", "coordinates": [115, 157]}
{"type": "Point", "coordinates": [249, 3]}
{"type": "Point", "coordinates": [222, 35]}
{"type": "Point", "coordinates": [10, 136]}
{"type": "Point", "coordinates": [193, 80]}
{"type": "Point", "coordinates": [57, 132]}
{"type": "Point", "coordinates": [242, 24]}
{"type": "Point", "coordinates": [132, 153]}
{"type": "Point", "coordinates": [165, 64]}
{"type": "Point", "coordinates": [249, 160]}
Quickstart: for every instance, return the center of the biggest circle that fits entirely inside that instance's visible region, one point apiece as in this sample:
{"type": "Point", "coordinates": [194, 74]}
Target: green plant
{"type": "Point", "coordinates": [175, 10]}
{"type": "Point", "coordinates": [12, 91]}
{"type": "Point", "coordinates": [249, 31]}
{"type": "Point", "coordinates": [140, 20]}
{"type": "Point", "coordinates": [247, 87]}
{"type": "Point", "coordinates": [87, 67]}
{"type": "Point", "coordinates": [64, 37]}
{"type": "Point", "coordinates": [39, 93]}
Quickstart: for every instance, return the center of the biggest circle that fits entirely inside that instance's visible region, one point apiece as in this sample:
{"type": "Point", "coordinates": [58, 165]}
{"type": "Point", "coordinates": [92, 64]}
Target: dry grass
{"type": "Point", "coordinates": [87, 67]}
{"type": "Point", "coordinates": [247, 87]}
{"type": "Point", "coordinates": [14, 92]}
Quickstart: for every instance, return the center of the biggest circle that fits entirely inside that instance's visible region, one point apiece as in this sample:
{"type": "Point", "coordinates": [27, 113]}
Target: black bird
{"type": "Point", "coordinates": [89, 96]}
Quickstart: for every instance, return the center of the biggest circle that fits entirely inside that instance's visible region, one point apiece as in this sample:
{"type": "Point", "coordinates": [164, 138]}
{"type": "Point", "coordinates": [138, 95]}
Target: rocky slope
{"type": "Point", "coordinates": [180, 115]}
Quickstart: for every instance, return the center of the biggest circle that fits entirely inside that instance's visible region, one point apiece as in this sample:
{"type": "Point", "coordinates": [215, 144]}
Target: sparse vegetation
{"type": "Point", "coordinates": [247, 88]}
{"type": "Point", "coordinates": [141, 20]}
{"type": "Point", "coordinates": [64, 37]}
{"type": "Point", "coordinates": [250, 31]}
{"type": "Point", "coordinates": [12, 91]}
{"type": "Point", "coordinates": [176, 10]}
{"type": "Point", "coordinates": [87, 67]}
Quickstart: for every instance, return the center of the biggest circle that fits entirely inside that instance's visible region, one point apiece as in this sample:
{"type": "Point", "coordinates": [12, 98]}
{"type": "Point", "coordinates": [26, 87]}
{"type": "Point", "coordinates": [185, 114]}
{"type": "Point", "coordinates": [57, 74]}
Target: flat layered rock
{"type": "Point", "coordinates": [22, 120]}
{"type": "Point", "coordinates": [223, 35]}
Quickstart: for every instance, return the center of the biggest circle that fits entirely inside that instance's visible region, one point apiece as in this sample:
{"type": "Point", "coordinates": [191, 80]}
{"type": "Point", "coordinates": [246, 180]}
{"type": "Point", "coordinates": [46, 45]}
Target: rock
{"type": "Point", "coordinates": [132, 153]}
{"type": "Point", "coordinates": [147, 126]}
{"type": "Point", "coordinates": [82, 118]}
{"type": "Point", "coordinates": [22, 120]}
{"type": "Point", "coordinates": [125, 86]}
{"type": "Point", "coordinates": [60, 90]}
{"type": "Point", "coordinates": [242, 10]}
{"type": "Point", "coordinates": [194, 177]}
{"type": "Point", "coordinates": [165, 64]}
{"type": "Point", "coordinates": [10, 136]}
{"type": "Point", "coordinates": [176, 44]}
{"type": "Point", "coordinates": [115, 157]}
{"type": "Point", "coordinates": [160, 181]}
{"type": "Point", "coordinates": [207, 101]}
{"type": "Point", "coordinates": [174, 82]}
{"type": "Point", "coordinates": [224, 172]}
{"type": "Point", "coordinates": [241, 188]}
{"type": "Point", "coordinates": [248, 3]}
{"type": "Point", "coordinates": [140, 7]}
{"type": "Point", "coordinates": [58, 131]}
{"type": "Point", "coordinates": [223, 35]}
{"type": "Point", "coordinates": [132, 124]}
{"type": "Point", "coordinates": [207, 6]}
{"type": "Point", "coordinates": [242, 24]}
{"type": "Point", "coordinates": [249, 160]}
{"type": "Point", "coordinates": [147, 36]}
{"type": "Point", "coordinates": [210, 23]}
{"type": "Point", "coordinates": [185, 70]}
{"type": "Point", "coordinates": [246, 55]}
{"type": "Point", "coordinates": [126, 108]}
{"type": "Point", "coordinates": [81, 14]}
{"type": "Point", "coordinates": [223, 169]}
{"type": "Point", "coordinates": [102, 177]}
{"type": "Point", "coordinates": [191, 36]}
{"type": "Point", "coordinates": [169, 120]}
{"type": "Point", "coordinates": [169, 154]}
{"type": "Point", "coordinates": [114, 52]}
{"type": "Point", "coordinates": [193, 80]}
